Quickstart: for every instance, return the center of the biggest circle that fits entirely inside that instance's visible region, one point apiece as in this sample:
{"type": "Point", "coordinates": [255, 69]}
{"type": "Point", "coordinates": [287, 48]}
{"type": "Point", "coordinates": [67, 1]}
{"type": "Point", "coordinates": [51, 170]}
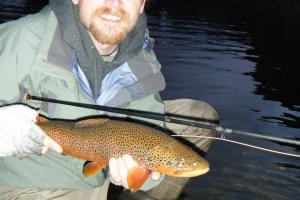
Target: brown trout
{"type": "Point", "coordinates": [98, 140]}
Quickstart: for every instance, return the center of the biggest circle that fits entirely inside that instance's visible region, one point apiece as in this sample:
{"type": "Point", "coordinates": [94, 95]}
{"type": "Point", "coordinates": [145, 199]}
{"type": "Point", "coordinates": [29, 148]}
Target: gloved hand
{"type": "Point", "coordinates": [19, 135]}
{"type": "Point", "coordinates": [118, 170]}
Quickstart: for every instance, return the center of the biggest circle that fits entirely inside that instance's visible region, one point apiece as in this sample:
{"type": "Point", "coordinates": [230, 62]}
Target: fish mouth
{"type": "Point", "coordinates": [190, 173]}
{"type": "Point", "coordinates": [199, 172]}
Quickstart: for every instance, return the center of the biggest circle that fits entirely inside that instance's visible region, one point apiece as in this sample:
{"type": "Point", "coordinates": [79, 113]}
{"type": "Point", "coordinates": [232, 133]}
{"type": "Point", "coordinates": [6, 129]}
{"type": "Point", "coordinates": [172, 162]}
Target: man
{"type": "Point", "coordinates": [90, 51]}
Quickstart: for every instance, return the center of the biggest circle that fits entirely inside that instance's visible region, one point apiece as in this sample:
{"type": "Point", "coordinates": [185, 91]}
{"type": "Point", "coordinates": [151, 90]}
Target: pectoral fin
{"type": "Point", "coordinates": [41, 119]}
{"type": "Point", "coordinates": [91, 168]}
{"type": "Point", "coordinates": [136, 177]}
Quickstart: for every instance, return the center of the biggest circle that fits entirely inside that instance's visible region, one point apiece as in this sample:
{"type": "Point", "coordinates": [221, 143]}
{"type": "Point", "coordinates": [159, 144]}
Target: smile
{"type": "Point", "coordinates": [111, 18]}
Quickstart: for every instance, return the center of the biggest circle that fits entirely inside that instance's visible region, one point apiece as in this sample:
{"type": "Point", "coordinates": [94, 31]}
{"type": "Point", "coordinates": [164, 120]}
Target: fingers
{"type": "Point", "coordinates": [114, 171]}
{"type": "Point", "coordinates": [23, 111]}
{"type": "Point", "coordinates": [123, 171]}
{"type": "Point", "coordinates": [129, 161]}
{"type": "Point", "coordinates": [49, 143]}
{"type": "Point", "coordinates": [24, 137]}
{"type": "Point", "coordinates": [42, 142]}
{"type": "Point", "coordinates": [31, 114]}
{"type": "Point", "coordinates": [44, 150]}
{"type": "Point", "coordinates": [155, 176]}
{"type": "Point", "coordinates": [118, 169]}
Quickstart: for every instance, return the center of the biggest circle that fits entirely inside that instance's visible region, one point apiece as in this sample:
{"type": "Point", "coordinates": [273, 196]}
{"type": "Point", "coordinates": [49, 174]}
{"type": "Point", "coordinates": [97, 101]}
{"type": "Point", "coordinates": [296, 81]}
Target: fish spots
{"type": "Point", "coordinates": [114, 138]}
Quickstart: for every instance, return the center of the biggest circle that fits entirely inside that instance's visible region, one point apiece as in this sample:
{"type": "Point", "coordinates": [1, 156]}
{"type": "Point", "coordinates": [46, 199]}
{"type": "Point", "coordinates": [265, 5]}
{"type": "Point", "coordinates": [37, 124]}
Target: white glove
{"type": "Point", "coordinates": [19, 135]}
{"type": "Point", "coordinates": [118, 171]}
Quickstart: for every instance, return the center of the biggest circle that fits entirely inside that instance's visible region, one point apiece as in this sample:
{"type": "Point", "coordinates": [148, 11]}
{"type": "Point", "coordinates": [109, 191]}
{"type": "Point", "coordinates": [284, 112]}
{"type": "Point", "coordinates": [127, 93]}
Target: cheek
{"type": "Point", "coordinates": [132, 22]}
{"type": "Point", "coordinates": [134, 13]}
{"type": "Point", "coordinates": [85, 15]}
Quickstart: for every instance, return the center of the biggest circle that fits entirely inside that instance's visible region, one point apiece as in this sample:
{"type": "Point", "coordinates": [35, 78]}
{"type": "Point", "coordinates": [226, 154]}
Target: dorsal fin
{"type": "Point", "coordinates": [91, 122]}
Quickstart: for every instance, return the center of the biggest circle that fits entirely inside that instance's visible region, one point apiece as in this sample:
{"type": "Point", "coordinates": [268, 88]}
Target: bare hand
{"type": "Point", "coordinates": [119, 167]}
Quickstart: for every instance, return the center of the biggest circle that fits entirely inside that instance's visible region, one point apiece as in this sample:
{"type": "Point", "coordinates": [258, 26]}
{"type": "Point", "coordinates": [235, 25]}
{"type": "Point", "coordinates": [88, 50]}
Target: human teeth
{"type": "Point", "coordinates": [111, 17]}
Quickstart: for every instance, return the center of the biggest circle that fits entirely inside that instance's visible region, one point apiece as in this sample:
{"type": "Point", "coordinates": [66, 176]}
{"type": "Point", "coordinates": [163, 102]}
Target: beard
{"type": "Point", "coordinates": [107, 33]}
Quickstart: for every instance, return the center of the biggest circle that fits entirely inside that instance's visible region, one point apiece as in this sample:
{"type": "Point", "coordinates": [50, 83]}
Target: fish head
{"type": "Point", "coordinates": [177, 159]}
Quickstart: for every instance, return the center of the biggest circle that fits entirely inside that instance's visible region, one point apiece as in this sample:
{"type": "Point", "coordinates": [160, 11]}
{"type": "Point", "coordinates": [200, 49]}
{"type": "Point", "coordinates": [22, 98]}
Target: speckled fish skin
{"type": "Point", "coordinates": [104, 138]}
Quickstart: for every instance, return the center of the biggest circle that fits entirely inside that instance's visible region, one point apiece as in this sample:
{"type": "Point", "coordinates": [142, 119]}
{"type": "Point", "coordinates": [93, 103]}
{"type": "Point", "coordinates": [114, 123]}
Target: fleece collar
{"type": "Point", "coordinates": [76, 36]}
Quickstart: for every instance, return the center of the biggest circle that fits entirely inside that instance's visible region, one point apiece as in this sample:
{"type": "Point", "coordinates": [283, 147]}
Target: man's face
{"type": "Point", "coordinates": [109, 21]}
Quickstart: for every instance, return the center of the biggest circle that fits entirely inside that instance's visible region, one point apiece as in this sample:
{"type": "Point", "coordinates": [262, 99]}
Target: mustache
{"type": "Point", "coordinates": [121, 13]}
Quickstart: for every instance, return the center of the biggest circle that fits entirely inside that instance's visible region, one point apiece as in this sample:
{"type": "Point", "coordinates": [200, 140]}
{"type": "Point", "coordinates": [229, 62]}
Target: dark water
{"type": "Point", "coordinates": [248, 71]}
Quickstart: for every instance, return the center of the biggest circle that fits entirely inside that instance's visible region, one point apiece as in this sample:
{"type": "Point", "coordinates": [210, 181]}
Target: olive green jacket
{"type": "Point", "coordinates": [33, 59]}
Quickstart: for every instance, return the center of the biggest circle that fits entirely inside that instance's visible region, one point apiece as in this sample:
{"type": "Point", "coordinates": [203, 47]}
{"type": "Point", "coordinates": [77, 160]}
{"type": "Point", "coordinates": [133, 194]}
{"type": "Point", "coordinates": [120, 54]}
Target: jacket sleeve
{"type": "Point", "coordinates": [9, 90]}
{"type": "Point", "coordinates": [19, 40]}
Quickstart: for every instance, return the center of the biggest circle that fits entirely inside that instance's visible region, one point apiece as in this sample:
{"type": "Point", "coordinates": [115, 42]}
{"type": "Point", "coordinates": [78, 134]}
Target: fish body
{"type": "Point", "coordinates": [100, 139]}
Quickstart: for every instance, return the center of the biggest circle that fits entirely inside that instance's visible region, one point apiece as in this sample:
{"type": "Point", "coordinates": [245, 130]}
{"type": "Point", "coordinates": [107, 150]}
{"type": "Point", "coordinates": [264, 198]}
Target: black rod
{"type": "Point", "coordinates": [168, 117]}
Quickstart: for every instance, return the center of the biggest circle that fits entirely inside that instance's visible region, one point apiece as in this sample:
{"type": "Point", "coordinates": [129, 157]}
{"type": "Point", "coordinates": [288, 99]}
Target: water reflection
{"type": "Point", "coordinates": [208, 55]}
{"type": "Point", "coordinates": [202, 29]}
{"type": "Point", "coordinates": [284, 166]}
{"type": "Point", "coordinates": [277, 71]}
{"type": "Point", "coordinates": [16, 8]}
{"type": "Point", "coordinates": [250, 77]}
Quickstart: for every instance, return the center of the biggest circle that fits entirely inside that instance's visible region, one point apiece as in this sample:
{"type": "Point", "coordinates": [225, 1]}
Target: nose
{"type": "Point", "coordinates": [113, 3]}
